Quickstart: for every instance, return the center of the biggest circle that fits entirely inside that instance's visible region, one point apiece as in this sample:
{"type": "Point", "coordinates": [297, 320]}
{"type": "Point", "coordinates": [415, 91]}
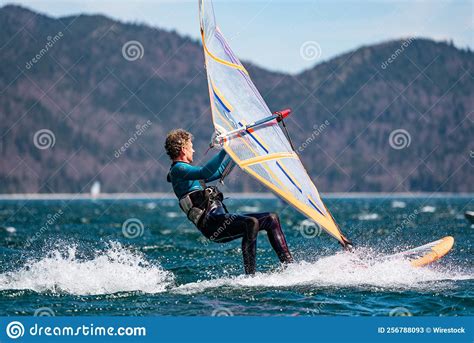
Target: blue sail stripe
{"type": "Point", "coordinates": [220, 101]}
{"type": "Point", "coordinates": [288, 176]}
{"type": "Point", "coordinates": [316, 207]}
{"type": "Point", "coordinates": [254, 138]}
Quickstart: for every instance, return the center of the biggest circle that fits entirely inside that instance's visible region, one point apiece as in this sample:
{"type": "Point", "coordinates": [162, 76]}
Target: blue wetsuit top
{"type": "Point", "coordinates": [185, 177]}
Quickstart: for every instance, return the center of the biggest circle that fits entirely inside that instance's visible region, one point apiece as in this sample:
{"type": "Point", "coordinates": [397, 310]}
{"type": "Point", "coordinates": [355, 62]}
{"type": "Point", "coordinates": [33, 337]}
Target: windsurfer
{"type": "Point", "coordinates": [204, 204]}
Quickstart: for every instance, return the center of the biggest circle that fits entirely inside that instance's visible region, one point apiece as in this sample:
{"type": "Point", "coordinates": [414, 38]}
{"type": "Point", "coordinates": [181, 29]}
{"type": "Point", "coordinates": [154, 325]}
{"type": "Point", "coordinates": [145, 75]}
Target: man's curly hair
{"type": "Point", "coordinates": [175, 141]}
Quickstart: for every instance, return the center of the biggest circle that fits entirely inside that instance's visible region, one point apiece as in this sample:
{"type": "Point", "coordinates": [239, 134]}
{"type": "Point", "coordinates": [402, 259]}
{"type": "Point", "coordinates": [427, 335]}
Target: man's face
{"type": "Point", "coordinates": [188, 151]}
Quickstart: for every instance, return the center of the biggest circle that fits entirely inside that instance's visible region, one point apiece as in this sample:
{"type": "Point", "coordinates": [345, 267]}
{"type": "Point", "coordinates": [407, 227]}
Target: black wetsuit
{"type": "Point", "coordinates": [220, 226]}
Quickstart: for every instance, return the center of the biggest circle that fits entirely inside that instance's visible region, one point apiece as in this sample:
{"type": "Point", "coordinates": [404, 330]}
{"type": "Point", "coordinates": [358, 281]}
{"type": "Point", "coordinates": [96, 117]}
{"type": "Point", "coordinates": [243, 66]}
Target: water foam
{"type": "Point", "coordinates": [116, 269]}
{"type": "Point", "coordinates": [360, 269]}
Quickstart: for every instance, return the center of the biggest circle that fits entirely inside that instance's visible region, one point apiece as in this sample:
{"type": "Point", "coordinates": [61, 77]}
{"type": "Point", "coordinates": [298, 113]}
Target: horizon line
{"type": "Point", "coordinates": [236, 195]}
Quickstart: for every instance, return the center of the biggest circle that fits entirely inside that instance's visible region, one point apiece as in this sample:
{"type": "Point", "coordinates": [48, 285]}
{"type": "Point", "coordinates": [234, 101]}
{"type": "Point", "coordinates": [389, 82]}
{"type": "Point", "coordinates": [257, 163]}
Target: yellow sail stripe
{"type": "Point", "coordinates": [265, 158]}
{"type": "Point", "coordinates": [223, 99]}
{"type": "Point", "coordinates": [327, 224]}
{"type": "Point", "coordinates": [283, 166]}
{"type": "Point", "coordinates": [293, 178]}
{"type": "Point", "coordinates": [290, 175]}
{"type": "Point", "coordinates": [310, 198]}
{"type": "Point", "coordinates": [239, 161]}
{"type": "Point", "coordinates": [220, 60]}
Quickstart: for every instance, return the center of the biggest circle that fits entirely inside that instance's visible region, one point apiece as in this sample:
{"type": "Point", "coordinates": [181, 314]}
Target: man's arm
{"type": "Point", "coordinates": [189, 172]}
{"type": "Point", "coordinates": [218, 173]}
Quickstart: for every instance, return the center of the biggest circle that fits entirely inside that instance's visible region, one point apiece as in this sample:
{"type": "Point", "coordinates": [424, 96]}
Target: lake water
{"type": "Point", "coordinates": [77, 257]}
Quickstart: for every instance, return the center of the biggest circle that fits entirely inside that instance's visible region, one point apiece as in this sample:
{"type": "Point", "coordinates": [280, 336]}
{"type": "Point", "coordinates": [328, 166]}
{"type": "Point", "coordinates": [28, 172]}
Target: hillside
{"type": "Point", "coordinates": [92, 99]}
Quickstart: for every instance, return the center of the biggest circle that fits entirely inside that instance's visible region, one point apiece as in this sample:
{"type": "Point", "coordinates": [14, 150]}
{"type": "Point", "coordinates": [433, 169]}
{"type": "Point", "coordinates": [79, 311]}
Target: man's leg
{"type": "Point", "coordinates": [222, 228]}
{"type": "Point", "coordinates": [271, 223]}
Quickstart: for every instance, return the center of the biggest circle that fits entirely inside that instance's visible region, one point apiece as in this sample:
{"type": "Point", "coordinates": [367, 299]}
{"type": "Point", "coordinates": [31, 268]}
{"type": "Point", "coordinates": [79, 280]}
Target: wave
{"type": "Point", "coordinates": [428, 209]}
{"type": "Point", "coordinates": [118, 269]}
{"type": "Point", "coordinates": [115, 269]}
{"type": "Point", "coordinates": [398, 204]}
{"type": "Point", "coordinates": [368, 216]}
{"type": "Point", "coordinates": [362, 269]}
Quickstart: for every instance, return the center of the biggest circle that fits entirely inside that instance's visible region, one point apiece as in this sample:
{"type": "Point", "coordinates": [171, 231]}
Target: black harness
{"type": "Point", "coordinates": [197, 203]}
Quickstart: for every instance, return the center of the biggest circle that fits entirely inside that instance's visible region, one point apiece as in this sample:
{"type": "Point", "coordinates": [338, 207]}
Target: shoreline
{"type": "Point", "coordinates": [158, 196]}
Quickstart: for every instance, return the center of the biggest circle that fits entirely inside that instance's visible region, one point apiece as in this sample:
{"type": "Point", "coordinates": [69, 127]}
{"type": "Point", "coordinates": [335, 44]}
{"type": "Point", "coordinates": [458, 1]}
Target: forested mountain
{"type": "Point", "coordinates": [396, 116]}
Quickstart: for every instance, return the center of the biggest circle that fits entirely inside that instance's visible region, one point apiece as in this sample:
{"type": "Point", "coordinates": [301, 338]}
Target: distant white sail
{"type": "Point", "coordinates": [264, 153]}
{"type": "Point", "coordinates": [95, 189]}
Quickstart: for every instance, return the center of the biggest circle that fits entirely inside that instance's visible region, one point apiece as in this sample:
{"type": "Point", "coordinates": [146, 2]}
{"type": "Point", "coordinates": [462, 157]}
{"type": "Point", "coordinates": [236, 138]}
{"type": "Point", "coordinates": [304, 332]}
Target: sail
{"type": "Point", "coordinates": [263, 152]}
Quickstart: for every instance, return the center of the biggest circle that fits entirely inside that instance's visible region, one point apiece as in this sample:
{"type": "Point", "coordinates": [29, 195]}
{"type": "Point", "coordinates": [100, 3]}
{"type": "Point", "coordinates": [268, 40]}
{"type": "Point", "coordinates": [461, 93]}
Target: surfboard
{"type": "Point", "coordinates": [427, 253]}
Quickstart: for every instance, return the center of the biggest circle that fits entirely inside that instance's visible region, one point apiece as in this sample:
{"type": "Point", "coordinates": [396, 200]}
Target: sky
{"type": "Point", "coordinates": [290, 35]}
